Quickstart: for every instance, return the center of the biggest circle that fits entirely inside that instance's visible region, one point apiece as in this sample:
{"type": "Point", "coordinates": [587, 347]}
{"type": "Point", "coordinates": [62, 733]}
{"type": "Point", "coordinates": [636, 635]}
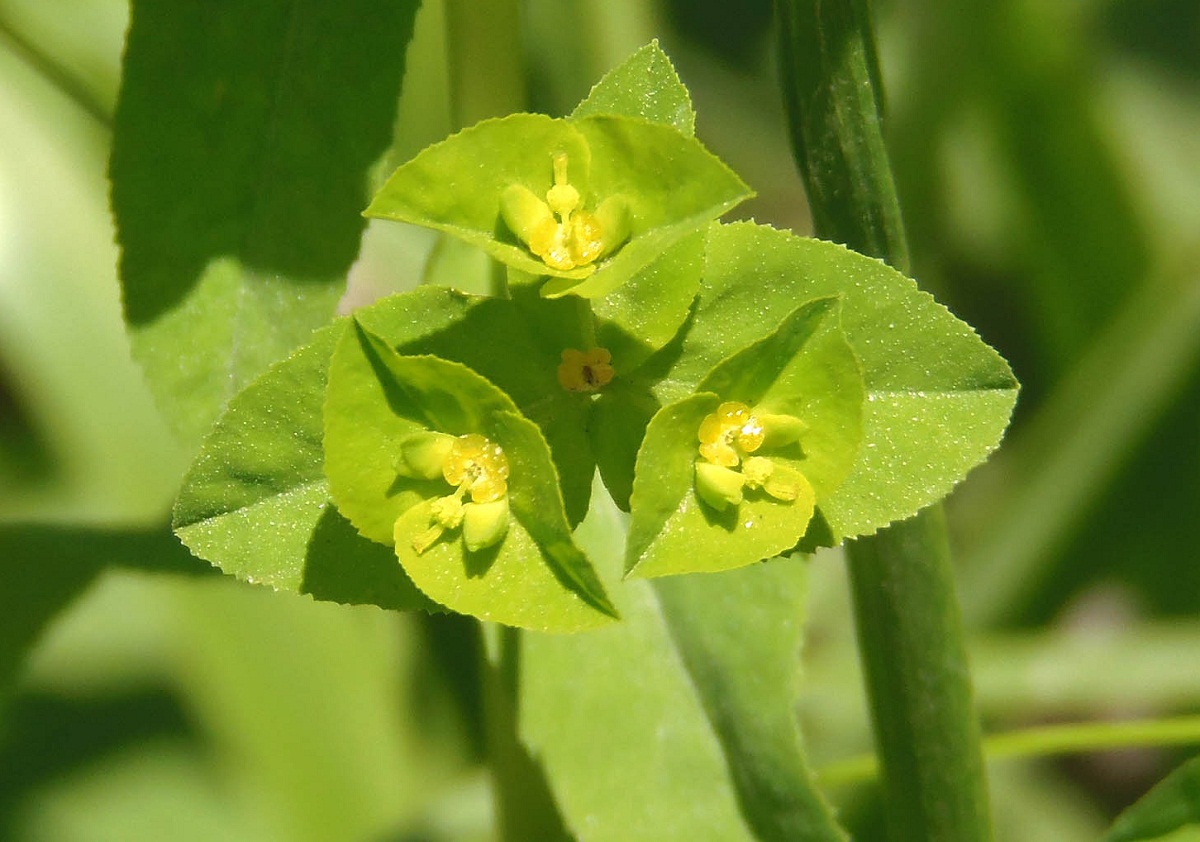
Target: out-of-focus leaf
{"type": "Point", "coordinates": [80, 438]}
{"type": "Point", "coordinates": [243, 136]}
{"type": "Point", "coordinates": [45, 567]}
{"type": "Point", "coordinates": [676, 723]}
{"type": "Point", "coordinates": [1169, 811]}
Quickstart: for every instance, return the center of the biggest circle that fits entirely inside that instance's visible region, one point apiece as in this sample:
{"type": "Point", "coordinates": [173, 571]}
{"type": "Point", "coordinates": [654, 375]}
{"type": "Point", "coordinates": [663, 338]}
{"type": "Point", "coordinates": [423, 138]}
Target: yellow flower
{"type": "Point", "coordinates": [729, 434]}
{"type": "Point", "coordinates": [559, 230]}
{"type": "Point", "coordinates": [475, 466]}
{"type": "Point", "coordinates": [727, 438]}
{"type": "Point", "coordinates": [585, 371]}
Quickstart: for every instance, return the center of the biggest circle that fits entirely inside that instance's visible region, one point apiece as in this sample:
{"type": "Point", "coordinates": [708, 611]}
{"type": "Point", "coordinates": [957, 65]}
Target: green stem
{"type": "Point", "coordinates": [1048, 741]}
{"type": "Point", "coordinates": [908, 620]}
{"type": "Point", "coordinates": [525, 807]}
{"type": "Point", "coordinates": [487, 74]}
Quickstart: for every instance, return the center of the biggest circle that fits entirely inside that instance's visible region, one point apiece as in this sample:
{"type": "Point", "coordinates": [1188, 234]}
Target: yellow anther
{"type": "Point", "coordinates": [477, 466]}
{"type": "Point", "coordinates": [447, 511]}
{"type": "Point", "coordinates": [729, 434]}
{"type": "Point", "coordinates": [485, 524]}
{"type": "Point", "coordinates": [717, 486]}
{"type": "Point", "coordinates": [585, 371]}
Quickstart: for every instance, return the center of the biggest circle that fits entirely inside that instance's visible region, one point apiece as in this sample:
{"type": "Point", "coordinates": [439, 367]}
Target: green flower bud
{"type": "Point", "coordinates": [422, 455]}
{"type": "Point", "coordinates": [524, 213]}
{"type": "Point", "coordinates": [717, 486]}
{"type": "Point", "coordinates": [780, 430]}
{"type": "Point", "coordinates": [484, 524]}
{"type": "Point", "coordinates": [612, 216]}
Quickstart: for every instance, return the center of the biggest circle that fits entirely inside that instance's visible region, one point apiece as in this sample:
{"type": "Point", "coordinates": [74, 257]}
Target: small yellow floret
{"type": "Point", "coordinates": [585, 371]}
{"type": "Point", "coordinates": [729, 434]}
{"type": "Point", "coordinates": [477, 466]}
{"type": "Point", "coordinates": [559, 230]}
{"type": "Point", "coordinates": [727, 438]}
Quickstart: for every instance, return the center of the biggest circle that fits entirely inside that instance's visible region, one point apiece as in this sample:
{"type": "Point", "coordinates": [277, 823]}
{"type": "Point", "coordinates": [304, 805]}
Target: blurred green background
{"type": "Point", "coordinates": [1048, 158]}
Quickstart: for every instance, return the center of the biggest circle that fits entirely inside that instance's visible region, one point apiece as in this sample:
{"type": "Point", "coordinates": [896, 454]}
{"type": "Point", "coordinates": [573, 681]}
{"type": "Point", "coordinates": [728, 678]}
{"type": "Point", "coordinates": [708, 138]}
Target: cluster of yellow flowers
{"type": "Point", "coordinates": [559, 230]}
{"type": "Point", "coordinates": [475, 466]}
{"type": "Point", "coordinates": [727, 438]}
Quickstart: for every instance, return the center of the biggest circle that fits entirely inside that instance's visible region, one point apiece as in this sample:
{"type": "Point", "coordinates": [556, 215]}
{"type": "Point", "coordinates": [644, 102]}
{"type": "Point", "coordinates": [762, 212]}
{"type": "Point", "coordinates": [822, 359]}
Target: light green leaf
{"type": "Point", "coordinates": [618, 422]}
{"type": "Point", "coordinates": [938, 398]}
{"type": "Point", "coordinates": [677, 723]}
{"type": "Point", "coordinates": [374, 401]}
{"type": "Point", "coordinates": [645, 313]}
{"type": "Point", "coordinates": [238, 175]}
{"type": "Point", "coordinates": [805, 370]}
{"type": "Point", "coordinates": [256, 501]}
{"type": "Point", "coordinates": [535, 577]}
{"type": "Point", "coordinates": [672, 184]}
{"type": "Point", "coordinates": [1170, 807]}
{"type": "Point", "coordinates": [644, 85]}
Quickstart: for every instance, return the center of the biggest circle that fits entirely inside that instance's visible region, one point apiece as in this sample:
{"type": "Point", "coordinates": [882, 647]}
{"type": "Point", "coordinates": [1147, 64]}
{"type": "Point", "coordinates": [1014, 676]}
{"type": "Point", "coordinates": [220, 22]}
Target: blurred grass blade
{"type": "Point", "coordinates": [909, 629]}
{"type": "Point", "coordinates": [1069, 455]}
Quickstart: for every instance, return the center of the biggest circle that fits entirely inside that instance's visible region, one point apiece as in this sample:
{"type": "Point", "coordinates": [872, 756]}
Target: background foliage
{"type": "Point", "coordinates": [1048, 163]}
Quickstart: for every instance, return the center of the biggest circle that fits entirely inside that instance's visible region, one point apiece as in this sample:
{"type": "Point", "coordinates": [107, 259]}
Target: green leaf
{"type": "Point", "coordinates": [1172, 805]}
{"type": "Point", "coordinates": [44, 568]}
{"type": "Point", "coordinates": [805, 370]}
{"type": "Point", "coordinates": [376, 399]}
{"type": "Point", "coordinates": [938, 398]}
{"type": "Point", "coordinates": [644, 85]}
{"type": "Point", "coordinates": [516, 345]}
{"type": "Point", "coordinates": [644, 314]}
{"type": "Point", "coordinates": [256, 501]}
{"type": "Point", "coordinates": [244, 133]}
{"type": "Point", "coordinates": [672, 184]}
{"type": "Point", "coordinates": [739, 635]}
{"type": "Point", "coordinates": [677, 723]}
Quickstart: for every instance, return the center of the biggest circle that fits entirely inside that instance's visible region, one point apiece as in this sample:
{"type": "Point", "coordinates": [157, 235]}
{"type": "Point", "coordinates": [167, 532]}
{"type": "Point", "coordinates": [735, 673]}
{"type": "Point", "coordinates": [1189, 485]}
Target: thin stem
{"type": "Point", "coordinates": [909, 626]}
{"type": "Point", "coordinates": [487, 74]}
{"type": "Point", "coordinates": [525, 807]}
{"type": "Point", "coordinates": [56, 74]}
{"type": "Point", "coordinates": [1047, 741]}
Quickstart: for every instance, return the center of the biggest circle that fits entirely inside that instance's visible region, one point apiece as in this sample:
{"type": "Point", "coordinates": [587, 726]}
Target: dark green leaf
{"type": "Point", "coordinates": [677, 723]}
{"type": "Point", "coordinates": [243, 136]}
{"type": "Point", "coordinates": [1172, 805]}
